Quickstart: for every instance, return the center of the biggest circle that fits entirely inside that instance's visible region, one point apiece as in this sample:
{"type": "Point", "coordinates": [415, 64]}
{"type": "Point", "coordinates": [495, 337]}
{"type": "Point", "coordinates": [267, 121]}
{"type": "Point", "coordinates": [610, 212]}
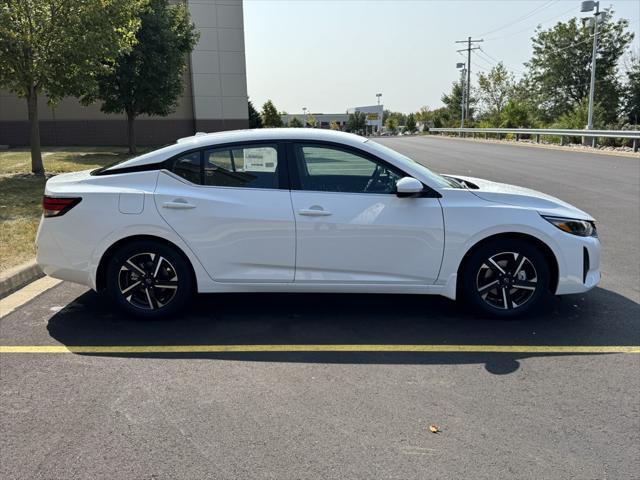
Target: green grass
{"type": "Point", "coordinates": [21, 193]}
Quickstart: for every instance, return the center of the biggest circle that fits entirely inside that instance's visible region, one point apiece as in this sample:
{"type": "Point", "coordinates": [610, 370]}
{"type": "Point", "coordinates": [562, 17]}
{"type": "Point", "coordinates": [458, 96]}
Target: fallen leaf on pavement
{"type": "Point", "coordinates": [434, 429]}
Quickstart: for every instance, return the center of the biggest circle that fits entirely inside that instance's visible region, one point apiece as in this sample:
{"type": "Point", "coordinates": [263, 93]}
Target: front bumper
{"type": "Point", "coordinates": [581, 270]}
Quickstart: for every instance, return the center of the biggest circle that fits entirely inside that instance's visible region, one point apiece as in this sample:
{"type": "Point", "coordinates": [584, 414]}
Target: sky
{"type": "Point", "coordinates": [331, 55]}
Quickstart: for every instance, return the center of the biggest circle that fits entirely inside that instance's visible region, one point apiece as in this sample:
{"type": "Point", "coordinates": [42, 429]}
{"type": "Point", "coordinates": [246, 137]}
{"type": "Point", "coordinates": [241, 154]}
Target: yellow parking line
{"type": "Point", "coordinates": [317, 348]}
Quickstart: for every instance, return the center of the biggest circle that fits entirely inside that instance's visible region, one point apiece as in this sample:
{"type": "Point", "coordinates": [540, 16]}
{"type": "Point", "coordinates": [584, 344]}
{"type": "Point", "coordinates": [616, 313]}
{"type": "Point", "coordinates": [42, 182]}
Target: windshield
{"type": "Point", "coordinates": [439, 180]}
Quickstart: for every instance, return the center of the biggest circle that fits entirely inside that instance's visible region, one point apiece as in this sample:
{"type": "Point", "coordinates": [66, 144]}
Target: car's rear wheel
{"type": "Point", "coordinates": [505, 278]}
{"type": "Point", "coordinates": [149, 279]}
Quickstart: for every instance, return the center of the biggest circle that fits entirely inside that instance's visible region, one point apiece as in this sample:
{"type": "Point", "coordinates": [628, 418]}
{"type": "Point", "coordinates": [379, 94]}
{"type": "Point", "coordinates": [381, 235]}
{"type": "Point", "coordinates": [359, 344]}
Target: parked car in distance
{"type": "Point", "coordinates": [307, 210]}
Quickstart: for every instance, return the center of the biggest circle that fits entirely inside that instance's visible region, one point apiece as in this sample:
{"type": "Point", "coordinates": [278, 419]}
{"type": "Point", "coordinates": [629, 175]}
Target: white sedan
{"type": "Point", "coordinates": [306, 210]}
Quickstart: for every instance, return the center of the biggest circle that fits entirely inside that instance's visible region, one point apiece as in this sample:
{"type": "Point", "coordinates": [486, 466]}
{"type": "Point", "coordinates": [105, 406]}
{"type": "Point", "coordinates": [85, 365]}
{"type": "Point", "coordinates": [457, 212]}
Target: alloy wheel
{"type": "Point", "coordinates": [148, 281]}
{"type": "Point", "coordinates": [506, 280]}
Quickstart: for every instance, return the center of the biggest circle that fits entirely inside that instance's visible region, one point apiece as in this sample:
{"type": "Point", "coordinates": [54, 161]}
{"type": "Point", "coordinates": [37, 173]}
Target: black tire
{"type": "Point", "coordinates": [505, 278]}
{"type": "Point", "coordinates": [140, 286]}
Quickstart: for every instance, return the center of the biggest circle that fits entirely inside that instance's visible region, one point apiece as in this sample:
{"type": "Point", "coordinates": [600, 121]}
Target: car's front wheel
{"type": "Point", "coordinates": [149, 279]}
{"type": "Point", "coordinates": [505, 278]}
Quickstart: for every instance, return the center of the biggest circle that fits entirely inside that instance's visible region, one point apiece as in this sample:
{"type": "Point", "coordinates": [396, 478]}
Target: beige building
{"type": "Point", "coordinates": [214, 97]}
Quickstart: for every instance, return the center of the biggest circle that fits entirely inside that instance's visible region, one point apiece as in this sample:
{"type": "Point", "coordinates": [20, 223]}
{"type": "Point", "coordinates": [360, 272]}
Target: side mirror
{"type": "Point", "coordinates": [408, 186]}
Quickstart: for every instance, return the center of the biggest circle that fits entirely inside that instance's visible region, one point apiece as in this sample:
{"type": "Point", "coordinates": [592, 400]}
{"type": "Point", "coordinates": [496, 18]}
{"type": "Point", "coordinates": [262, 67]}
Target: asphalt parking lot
{"type": "Point", "coordinates": [530, 413]}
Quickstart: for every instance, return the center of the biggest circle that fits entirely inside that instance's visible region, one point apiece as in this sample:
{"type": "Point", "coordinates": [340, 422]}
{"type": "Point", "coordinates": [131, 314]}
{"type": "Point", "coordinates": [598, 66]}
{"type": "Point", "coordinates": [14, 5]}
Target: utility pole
{"type": "Point", "coordinates": [463, 72]}
{"type": "Point", "coordinates": [588, 6]}
{"type": "Point", "coordinates": [468, 41]}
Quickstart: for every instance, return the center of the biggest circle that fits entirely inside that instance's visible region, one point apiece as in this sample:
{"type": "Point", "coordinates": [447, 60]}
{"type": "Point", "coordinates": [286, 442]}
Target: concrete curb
{"type": "Point", "coordinates": [17, 277]}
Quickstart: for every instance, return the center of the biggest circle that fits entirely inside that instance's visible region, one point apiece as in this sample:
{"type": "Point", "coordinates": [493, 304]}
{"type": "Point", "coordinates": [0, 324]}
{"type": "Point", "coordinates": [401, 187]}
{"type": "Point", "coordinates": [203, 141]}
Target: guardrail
{"type": "Point", "coordinates": [593, 135]}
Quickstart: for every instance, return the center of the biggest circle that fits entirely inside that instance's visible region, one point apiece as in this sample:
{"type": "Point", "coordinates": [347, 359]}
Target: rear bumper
{"type": "Point", "coordinates": [53, 261]}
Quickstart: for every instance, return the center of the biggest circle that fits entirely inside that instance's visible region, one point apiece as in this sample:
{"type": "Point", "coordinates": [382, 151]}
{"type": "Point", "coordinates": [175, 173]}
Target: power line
{"type": "Point", "coordinates": [479, 66]}
{"type": "Point", "coordinates": [527, 28]}
{"type": "Point", "coordinates": [588, 39]}
{"type": "Point", "coordinates": [521, 18]}
{"type": "Point", "coordinates": [496, 61]}
{"type": "Point", "coordinates": [491, 65]}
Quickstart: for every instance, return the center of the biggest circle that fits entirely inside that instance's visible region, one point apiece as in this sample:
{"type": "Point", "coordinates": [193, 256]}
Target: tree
{"type": "Point", "coordinates": [58, 48]}
{"type": "Point", "coordinates": [356, 122]}
{"type": "Point", "coordinates": [295, 123]}
{"type": "Point", "coordinates": [311, 121]}
{"type": "Point", "coordinates": [334, 125]}
{"type": "Point", "coordinates": [424, 115]}
{"type": "Point", "coordinates": [391, 125]}
{"type": "Point", "coordinates": [148, 79]}
{"type": "Point", "coordinates": [494, 89]}
{"type": "Point", "coordinates": [632, 92]}
{"type": "Point", "coordinates": [438, 118]}
{"type": "Point", "coordinates": [453, 105]}
{"type": "Point", "coordinates": [411, 123]}
{"type": "Point", "coordinates": [576, 118]}
{"type": "Point", "coordinates": [515, 115]}
{"type": "Point", "coordinates": [270, 115]}
{"type": "Point", "coordinates": [254, 117]}
{"type": "Point", "coordinates": [560, 68]}
{"type": "Point", "coordinates": [399, 117]}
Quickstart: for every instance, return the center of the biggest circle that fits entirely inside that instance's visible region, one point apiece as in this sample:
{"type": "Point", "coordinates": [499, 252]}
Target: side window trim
{"type": "Point", "coordinates": [294, 162]}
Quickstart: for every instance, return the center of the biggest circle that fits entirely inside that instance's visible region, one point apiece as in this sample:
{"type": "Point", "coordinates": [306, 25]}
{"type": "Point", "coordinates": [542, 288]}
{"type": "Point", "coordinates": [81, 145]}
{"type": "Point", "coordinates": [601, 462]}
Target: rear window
{"type": "Point", "coordinates": [250, 166]}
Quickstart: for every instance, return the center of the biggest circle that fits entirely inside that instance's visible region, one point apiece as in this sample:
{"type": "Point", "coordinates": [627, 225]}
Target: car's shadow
{"type": "Point", "coordinates": [600, 317]}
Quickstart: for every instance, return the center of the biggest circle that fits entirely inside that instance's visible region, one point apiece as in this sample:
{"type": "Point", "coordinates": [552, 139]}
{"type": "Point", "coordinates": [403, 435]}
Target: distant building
{"type": "Point", "coordinates": [214, 97]}
{"type": "Point", "coordinates": [374, 115]}
{"type": "Point", "coordinates": [324, 120]}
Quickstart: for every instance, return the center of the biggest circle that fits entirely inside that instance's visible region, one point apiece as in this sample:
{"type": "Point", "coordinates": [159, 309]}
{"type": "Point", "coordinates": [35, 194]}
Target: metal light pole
{"type": "Point", "coordinates": [463, 72]}
{"type": "Point", "coordinates": [588, 6]}
{"type": "Point", "coordinates": [378, 95]}
{"type": "Point", "coordinates": [304, 114]}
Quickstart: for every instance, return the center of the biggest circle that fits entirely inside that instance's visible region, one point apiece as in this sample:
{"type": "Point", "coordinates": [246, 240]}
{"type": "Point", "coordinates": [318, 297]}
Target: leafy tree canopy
{"type": "Point", "coordinates": [411, 123]}
{"type": "Point", "coordinates": [149, 79]}
{"type": "Point", "coordinates": [59, 48]}
{"type": "Point", "coordinates": [632, 92]}
{"type": "Point", "coordinates": [391, 124]}
{"type": "Point", "coordinates": [295, 123]}
{"type": "Point", "coordinates": [453, 102]}
{"type": "Point", "coordinates": [311, 121]}
{"type": "Point", "coordinates": [356, 122]}
{"type": "Point", "coordinates": [560, 68]}
{"type": "Point", "coordinates": [494, 89]}
{"type": "Point", "coordinates": [270, 115]}
{"type": "Point", "coordinates": [254, 117]}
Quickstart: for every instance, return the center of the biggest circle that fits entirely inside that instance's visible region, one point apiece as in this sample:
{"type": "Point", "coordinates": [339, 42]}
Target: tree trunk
{"type": "Point", "coordinates": [34, 132]}
{"type": "Point", "coordinates": [131, 133]}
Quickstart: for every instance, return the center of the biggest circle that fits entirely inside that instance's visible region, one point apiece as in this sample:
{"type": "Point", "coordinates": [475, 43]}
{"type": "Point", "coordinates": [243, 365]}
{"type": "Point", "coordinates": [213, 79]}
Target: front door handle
{"type": "Point", "coordinates": [314, 211]}
{"type": "Point", "coordinates": [178, 204]}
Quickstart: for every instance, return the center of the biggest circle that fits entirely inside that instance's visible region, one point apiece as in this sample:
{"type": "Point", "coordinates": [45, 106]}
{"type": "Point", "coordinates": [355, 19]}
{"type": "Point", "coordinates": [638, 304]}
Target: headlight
{"type": "Point", "coordinates": [582, 228]}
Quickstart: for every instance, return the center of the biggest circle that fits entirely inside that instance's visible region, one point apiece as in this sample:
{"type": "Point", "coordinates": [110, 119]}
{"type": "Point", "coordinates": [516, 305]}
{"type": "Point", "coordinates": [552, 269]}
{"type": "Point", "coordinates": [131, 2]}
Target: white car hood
{"type": "Point", "coordinates": [522, 197]}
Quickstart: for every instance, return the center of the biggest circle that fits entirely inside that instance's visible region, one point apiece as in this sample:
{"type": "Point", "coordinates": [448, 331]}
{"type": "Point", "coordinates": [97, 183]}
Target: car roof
{"type": "Point", "coordinates": [203, 140]}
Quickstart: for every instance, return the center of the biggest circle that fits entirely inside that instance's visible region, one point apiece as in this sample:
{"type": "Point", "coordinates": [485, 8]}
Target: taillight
{"type": "Point", "coordinates": [57, 206]}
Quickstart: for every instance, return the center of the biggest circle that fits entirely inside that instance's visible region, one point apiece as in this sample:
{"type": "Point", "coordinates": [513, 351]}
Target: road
{"type": "Point", "coordinates": [337, 414]}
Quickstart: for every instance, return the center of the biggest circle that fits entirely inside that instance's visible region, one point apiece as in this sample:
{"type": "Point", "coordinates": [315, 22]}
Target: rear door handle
{"type": "Point", "coordinates": [178, 204]}
{"type": "Point", "coordinates": [314, 211]}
